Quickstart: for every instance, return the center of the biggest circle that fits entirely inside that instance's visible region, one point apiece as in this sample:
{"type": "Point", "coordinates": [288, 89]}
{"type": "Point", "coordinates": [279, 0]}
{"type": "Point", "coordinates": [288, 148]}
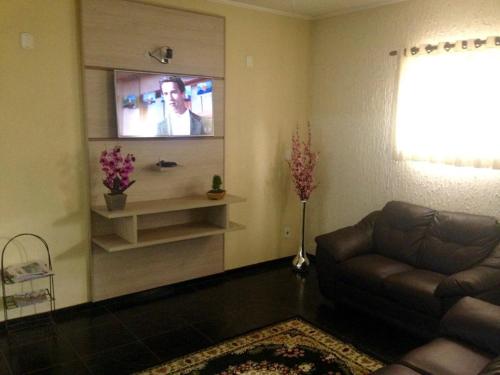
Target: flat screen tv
{"type": "Point", "coordinates": [163, 105]}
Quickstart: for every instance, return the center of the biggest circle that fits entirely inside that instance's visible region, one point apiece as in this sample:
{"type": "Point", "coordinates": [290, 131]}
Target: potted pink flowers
{"type": "Point", "coordinates": [117, 170]}
{"type": "Point", "coordinates": [302, 164]}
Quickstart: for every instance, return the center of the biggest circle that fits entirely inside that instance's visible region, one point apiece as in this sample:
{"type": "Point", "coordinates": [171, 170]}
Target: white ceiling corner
{"type": "Point", "coordinates": [308, 9]}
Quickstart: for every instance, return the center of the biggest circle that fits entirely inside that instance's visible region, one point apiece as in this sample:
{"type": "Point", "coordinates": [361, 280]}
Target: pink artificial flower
{"type": "Point", "coordinates": [302, 164]}
{"type": "Point", "coordinates": [117, 170]}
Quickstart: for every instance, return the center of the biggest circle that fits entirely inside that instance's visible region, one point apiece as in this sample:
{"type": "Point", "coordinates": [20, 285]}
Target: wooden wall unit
{"type": "Point", "coordinates": [132, 271]}
{"type": "Point", "coordinates": [117, 34]}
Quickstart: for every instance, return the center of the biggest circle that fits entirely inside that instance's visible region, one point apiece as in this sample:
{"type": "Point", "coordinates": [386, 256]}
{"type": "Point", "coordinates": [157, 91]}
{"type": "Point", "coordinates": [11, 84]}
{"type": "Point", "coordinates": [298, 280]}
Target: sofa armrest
{"type": "Point", "coordinates": [481, 278]}
{"type": "Point", "coordinates": [470, 282]}
{"type": "Point", "coordinates": [493, 368]}
{"type": "Point", "coordinates": [475, 322]}
{"type": "Point", "coordinates": [348, 242]}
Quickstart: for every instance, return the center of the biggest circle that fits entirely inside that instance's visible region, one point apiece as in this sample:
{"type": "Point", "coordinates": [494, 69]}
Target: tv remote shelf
{"type": "Point", "coordinates": [148, 223]}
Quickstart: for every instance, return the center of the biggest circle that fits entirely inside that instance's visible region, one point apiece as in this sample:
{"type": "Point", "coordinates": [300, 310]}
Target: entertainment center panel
{"type": "Point", "coordinates": [168, 231]}
{"type": "Point", "coordinates": [197, 161]}
{"type": "Point", "coordinates": [124, 272]}
{"type": "Point", "coordinates": [100, 109]}
{"type": "Point", "coordinates": [109, 41]}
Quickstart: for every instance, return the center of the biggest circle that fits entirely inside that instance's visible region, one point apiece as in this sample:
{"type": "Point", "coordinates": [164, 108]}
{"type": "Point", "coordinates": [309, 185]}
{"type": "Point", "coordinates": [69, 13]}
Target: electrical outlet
{"type": "Point", "coordinates": [287, 231]}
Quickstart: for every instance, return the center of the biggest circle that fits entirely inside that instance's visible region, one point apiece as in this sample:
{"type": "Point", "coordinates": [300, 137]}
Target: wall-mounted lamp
{"type": "Point", "coordinates": [162, 54]}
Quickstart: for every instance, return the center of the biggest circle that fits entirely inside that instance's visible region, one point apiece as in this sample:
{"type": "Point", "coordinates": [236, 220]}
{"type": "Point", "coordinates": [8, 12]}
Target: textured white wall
{"type": "Point", "coordinates": [353, 80]}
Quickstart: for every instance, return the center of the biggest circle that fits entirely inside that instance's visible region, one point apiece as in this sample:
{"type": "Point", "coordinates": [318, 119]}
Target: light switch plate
{"type": "Point", "coordinates": [27, 41]}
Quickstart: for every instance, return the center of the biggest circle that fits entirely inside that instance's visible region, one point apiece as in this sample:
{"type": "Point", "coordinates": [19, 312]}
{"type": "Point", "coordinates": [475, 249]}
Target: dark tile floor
{"type": "Point", "coordinates": [129, 334]}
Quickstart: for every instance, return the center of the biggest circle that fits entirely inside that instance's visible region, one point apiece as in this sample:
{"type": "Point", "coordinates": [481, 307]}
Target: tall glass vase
{"type": "Point", "coordinates": [301, 262]}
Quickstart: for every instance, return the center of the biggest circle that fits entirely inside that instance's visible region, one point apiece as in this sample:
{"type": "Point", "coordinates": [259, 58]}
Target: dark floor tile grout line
{"type": "Point", "coordinates": [135, 336]}
{"type": "Point", "coordinates": [152, 352]}
{"type": "Point", "coordinates": [107, 350]}
{"type": "Point", "coordinates": [76, 353]}
{"type": "Point", "coordinates": [82, 358]}
{"type": "Point", "coordinates": [7, 363]}
{"type": "Point", "coordinates": [213, 342]}
{"type": "Point", "coordinates": [57, 337]}
{"type": "Point", "coordinates": [59, 363]}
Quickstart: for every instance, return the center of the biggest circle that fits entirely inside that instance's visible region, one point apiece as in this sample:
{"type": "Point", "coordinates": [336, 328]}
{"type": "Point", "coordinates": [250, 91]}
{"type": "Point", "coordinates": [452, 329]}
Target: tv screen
{"type": "Point", "coordinates": [163, 105]}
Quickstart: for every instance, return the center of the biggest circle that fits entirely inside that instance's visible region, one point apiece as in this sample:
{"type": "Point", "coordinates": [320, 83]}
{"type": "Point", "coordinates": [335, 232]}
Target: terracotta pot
{"type": "Point", "coordinates": [115, 202]}
{"type": "Point", "coordinates": [216, 195]}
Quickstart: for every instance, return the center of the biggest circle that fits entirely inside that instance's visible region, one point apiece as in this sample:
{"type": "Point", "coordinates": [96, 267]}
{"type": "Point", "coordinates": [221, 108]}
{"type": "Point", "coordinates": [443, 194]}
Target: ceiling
{"type": "Point", "coordinates": [309, 8]}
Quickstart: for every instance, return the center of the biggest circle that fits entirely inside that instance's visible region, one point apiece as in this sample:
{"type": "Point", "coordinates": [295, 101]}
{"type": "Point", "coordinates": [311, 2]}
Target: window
{"type": "Point", "coordinates": [448, 107]}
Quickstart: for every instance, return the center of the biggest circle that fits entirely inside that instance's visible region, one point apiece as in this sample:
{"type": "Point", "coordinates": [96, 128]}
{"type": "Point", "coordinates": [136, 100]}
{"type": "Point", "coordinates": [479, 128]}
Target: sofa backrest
{"type": "Point", "coordinates": [400, 229]}
{"type": "Point", "coordinates": [439, 241]}
{"type": "Point", "coordinates": [456, 241]}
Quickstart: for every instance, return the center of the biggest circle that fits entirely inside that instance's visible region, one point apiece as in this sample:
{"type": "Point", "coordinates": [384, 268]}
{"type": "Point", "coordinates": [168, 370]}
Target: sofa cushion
{"type": "Point", "coordinates": [369, 271]}
{"type": "Point", "coordinates": [399, 230]}
{"type": "Point", "coordinates": [395, 369]}
{"type": "Point", "coordinates": [445, 357]}
{"type": "Point", "coordinates": [415, 289]}
{"type": "Point", "coordinates": [474, 321]}
{"type": "Point", "coordinates": [456, 241]}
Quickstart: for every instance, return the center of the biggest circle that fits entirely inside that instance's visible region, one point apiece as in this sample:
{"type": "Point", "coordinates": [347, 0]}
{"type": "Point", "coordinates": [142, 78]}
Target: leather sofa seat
{"type": "Point", "coordinates": [468, 343]}
{"type": "Point", "coordinates": [370, 271]}
{"type": "Point", "coordinates": [446, 357]}
{"type": "Point", "coordinates": [415, 289]}
{"type": "Point", "coordinates": [414, 261]}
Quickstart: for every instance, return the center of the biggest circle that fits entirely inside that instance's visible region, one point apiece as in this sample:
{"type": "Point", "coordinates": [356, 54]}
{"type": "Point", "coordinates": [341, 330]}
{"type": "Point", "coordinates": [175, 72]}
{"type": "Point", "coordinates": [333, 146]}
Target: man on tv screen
{"type": "Point", "coordinates": [179, 120]}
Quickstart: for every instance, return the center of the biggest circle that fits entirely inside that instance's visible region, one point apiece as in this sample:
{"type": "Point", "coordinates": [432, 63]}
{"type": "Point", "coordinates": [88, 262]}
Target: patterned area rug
{"type": "Point", "coordinates": [292, 348]}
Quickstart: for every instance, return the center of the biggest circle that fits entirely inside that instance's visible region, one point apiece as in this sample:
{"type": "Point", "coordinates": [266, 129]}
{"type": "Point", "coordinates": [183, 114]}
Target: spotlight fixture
{"type": "Point", "coordinates": [162, 54]}
{"type": "Point", "coordinates": [448, 46]}
{"type": "Point", "coordinates": [429, 48]}
{"type": "Point", "coordinates": [479, 42]}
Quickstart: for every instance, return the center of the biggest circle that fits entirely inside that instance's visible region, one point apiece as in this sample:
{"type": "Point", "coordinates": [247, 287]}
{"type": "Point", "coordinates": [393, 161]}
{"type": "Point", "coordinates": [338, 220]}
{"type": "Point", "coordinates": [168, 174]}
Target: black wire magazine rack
{"type": "Point", "coordinates": [15, 274]}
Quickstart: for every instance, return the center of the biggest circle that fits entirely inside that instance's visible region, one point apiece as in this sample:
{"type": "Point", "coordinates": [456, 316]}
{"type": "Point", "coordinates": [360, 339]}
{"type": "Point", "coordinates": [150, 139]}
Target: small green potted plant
{"type": "Point", "coordinates": [216, 192]}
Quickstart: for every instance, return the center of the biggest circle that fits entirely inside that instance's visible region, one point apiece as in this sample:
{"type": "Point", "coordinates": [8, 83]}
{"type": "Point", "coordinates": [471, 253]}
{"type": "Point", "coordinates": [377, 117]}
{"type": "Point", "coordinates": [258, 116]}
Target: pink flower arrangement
{"type": "Point", "coordinates": [117, 170]}
{"type": "Point", "coordinates": [302, 164]}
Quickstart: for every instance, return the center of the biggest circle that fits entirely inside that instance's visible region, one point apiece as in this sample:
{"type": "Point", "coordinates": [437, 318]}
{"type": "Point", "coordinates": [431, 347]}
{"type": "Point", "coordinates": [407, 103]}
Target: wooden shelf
{"type": "Point", "coordinates": [162, 235]}
{"type": "Point", "coordinates": [128, 233]}
{"type": "Point", "coordinates": [166, 205]}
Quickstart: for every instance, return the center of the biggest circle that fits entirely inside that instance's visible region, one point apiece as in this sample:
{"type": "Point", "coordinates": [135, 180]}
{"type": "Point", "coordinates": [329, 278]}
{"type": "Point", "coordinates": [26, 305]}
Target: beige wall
{"type": "Point", "coordinates": [44, 187]}
{"type": "Point", "coordinates": [352, 92]}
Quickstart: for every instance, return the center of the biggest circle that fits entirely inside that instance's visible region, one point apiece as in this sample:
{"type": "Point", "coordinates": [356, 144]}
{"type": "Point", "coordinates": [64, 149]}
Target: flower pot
{"type": "Point", "coordinates": [115, 202]}
{"type": "Point", "coordinates": [216, 194]}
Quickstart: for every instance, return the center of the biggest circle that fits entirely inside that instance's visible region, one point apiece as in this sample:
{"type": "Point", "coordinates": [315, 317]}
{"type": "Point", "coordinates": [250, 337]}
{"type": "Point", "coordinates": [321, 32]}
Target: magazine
{"type": "Point", "coordinates": [26, 299]}
{"type": "Point", "coordinates": [27, 271]}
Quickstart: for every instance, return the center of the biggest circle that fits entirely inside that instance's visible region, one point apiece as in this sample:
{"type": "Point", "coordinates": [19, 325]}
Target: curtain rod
{"type": "Point", "coordinates": [448, 46]}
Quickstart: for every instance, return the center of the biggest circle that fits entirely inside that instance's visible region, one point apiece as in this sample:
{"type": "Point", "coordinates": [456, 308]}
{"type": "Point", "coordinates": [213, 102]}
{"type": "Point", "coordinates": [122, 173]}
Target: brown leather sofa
{"type": "Point", "coordinates": [409, 264]}
{"type": "Point", "coordinates": [468, 344]}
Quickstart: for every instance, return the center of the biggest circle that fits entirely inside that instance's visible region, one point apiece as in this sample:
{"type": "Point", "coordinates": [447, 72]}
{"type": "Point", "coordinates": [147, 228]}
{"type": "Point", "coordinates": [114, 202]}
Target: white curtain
{"type": "Point", "coordinates": [448, 106]}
